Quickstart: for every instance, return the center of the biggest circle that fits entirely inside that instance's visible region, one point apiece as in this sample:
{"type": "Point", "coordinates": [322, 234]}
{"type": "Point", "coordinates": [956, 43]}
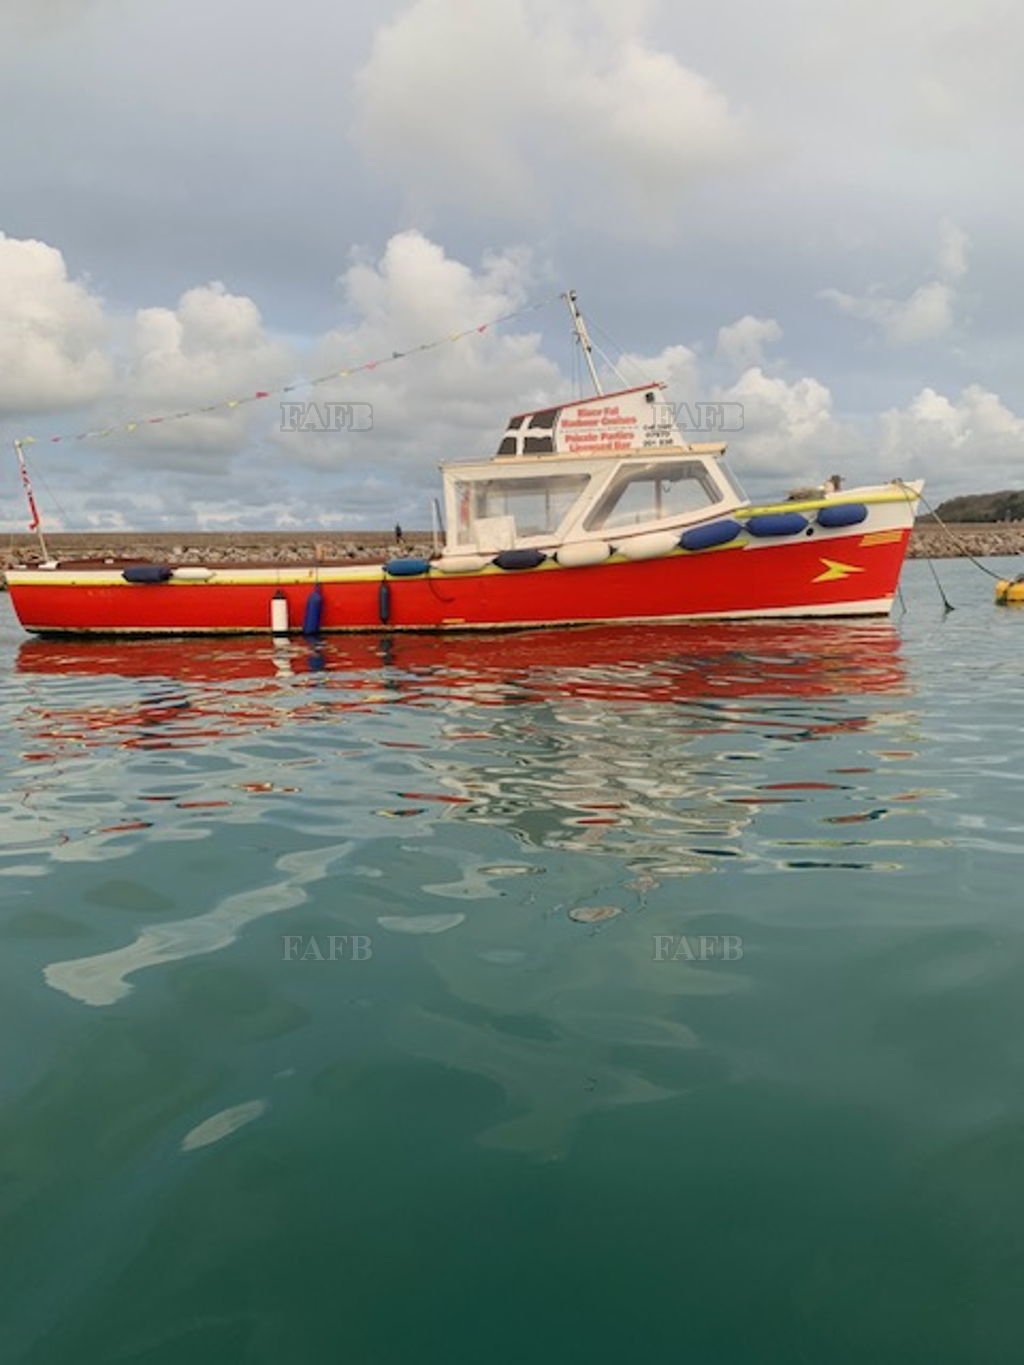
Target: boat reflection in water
{"type": "Point", "coordinates": [604, 737]}
{"type": "Point", "coordinates": [745, 659]}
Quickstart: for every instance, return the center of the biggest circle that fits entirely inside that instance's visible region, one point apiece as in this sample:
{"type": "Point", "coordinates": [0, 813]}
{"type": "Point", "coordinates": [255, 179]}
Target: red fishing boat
{"type": "Point", "coordinates": [593, 511]}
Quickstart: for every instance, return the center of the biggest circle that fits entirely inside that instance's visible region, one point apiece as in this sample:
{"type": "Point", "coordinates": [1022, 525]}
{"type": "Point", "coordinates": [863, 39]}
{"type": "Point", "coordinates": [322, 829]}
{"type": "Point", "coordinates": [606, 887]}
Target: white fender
{"type": "Point", "coordinates": [653, 545]}
{"type": "Point", "coordinates": [461, 563]}
{"type": "Point", "coordinates": [279, 614]}
{"type": "Point", "coordinates": [583, 554]}
{"type": "Point", "coordinates": [193, 573]}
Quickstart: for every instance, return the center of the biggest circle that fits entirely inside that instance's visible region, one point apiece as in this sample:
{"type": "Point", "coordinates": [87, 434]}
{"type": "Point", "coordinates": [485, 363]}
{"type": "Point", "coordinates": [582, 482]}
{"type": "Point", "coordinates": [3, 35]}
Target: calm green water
{"type": "Point", "coordinates": [307, 1059]}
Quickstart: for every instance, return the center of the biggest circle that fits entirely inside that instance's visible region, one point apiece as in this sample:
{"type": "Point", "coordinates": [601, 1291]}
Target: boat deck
{"type": "Point", "coordinates": [300, 561]}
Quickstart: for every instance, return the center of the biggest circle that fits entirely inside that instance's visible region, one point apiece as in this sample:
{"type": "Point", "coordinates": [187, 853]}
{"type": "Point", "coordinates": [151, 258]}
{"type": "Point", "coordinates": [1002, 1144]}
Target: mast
{"type": "Point", "coordinates": [580, 328]}
{"type": "Point", "coordinates": [36, 524]}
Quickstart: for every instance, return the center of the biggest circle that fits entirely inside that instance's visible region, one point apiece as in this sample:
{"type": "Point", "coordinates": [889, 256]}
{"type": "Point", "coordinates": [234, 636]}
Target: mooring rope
{"type": "Point", "coordinates": [964, 551]}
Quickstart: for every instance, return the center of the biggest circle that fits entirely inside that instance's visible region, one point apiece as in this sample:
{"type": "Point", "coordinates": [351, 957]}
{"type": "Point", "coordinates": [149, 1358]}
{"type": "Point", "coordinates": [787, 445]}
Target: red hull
{"type": "Point", "coordinates": [838, 574]}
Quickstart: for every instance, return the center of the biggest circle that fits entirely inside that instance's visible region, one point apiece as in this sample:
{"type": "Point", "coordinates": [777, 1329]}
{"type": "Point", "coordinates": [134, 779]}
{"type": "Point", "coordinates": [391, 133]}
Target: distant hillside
{"type": "Point", "coordinates": [1005, 506]}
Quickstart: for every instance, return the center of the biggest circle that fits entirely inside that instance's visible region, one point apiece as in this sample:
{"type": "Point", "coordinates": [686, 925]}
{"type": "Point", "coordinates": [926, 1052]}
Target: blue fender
{"type": "Point", "coordinates": [842, 514]}
{"type": "Point", "coordinates": [714, 533]}
{"type": "Point", "coordinates": [147, 573]}
{"type": "Point", "coordinates": [314, 612]}
{"type": "Point", "coordinates": [777, 524]}
{"type": "Point", "coordinates": [406, 568]}
{"type": "Point", "coordinates": [519, 559]}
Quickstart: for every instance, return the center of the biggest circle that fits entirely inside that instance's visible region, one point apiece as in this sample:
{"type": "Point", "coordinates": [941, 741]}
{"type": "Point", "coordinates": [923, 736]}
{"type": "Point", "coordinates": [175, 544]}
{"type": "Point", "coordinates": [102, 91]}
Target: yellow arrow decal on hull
{"type": "Point", "coordinates": [834, 569]}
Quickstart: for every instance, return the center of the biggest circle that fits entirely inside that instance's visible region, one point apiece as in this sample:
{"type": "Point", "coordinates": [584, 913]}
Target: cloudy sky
{"type": "Point", "coordinates": [810, 208]}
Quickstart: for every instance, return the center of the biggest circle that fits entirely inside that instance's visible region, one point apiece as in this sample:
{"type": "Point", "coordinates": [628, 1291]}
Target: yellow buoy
{"type": "Point", "coordinates": [1010, 590]}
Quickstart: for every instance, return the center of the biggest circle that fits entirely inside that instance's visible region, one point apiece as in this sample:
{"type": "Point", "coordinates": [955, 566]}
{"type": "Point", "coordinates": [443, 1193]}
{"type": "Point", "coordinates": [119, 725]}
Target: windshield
{"type": "Point", "coordinates": [655, 492]}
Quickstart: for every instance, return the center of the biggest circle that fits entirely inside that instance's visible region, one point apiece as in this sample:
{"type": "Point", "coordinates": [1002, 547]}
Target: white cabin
{"type": "Point", "coordinates": [614, 465]}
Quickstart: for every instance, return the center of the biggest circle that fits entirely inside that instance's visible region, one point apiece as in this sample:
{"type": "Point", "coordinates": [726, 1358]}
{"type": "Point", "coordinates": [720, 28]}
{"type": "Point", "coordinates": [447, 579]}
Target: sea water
{"type": "Point", "coordinates": [613, 995]}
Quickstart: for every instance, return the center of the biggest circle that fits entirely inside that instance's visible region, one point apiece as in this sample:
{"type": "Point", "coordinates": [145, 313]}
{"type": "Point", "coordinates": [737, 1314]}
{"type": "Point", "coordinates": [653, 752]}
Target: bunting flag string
{"type": "Point", "coordinates": [128, 427]}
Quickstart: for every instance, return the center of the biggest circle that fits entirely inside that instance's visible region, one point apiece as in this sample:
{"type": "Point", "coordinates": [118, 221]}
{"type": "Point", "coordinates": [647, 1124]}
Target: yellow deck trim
{"type": "Point", "coordinates": [812, 505]}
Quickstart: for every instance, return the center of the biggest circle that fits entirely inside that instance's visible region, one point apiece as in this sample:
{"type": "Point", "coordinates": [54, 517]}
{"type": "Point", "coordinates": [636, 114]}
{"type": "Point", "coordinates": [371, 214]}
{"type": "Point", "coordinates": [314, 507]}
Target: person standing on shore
{"type": "Point", "coordinates": [398, 534]}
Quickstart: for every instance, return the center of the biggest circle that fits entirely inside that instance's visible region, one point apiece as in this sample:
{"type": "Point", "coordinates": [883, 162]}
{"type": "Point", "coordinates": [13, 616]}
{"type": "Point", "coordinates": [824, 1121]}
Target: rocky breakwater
{"type": "Point", "coordinates": [983, 539]}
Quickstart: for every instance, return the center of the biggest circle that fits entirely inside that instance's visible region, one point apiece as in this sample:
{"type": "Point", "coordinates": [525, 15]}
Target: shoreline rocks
{"type": "Point", "coordinates": [983, 539]}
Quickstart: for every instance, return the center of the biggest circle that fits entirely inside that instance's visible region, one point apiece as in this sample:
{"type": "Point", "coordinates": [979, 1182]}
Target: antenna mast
{"type": "Point", "coordinates": [580, 328]}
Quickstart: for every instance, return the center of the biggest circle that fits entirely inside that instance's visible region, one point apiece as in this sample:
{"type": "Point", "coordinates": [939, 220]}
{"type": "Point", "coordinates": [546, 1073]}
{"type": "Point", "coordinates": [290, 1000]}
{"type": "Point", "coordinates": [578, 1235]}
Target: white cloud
{"type": "Point", "coordinates": [60, 350]}
{"type": "Point", "coordinates": [952, 255]}
{"type": "Point", "coordinates": [742, 343]}
{"type": "Point", "coordinates": [924, 316]}
{"type": "Point", "coordinates": [213, 346]}
{"type": "Point", "coordinates": [928, 313]}
{"type": "Point", "coordinates": [451, 401]}
{"type": "Point", "coordinates": [504, 114]}
{"type": "Point", "coordinates": [53, 333]}
{"type": "Point", "coordinates": [676, 366]}
{"type": "Point", "coordinates": [974, 438]}
{"type": "Point", "coordinates": [789, 430]}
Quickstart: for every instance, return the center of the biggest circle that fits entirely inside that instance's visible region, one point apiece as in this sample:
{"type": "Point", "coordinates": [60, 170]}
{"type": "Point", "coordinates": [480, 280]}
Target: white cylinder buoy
{"type": "Point", "coordinates": [279, 614]}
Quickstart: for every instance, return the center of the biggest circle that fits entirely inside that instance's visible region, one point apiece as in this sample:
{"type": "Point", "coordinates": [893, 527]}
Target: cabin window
{"type": "Point", "coordinates": [537, 506]}
{"type": "Point", "coordinates": [654, 492]}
